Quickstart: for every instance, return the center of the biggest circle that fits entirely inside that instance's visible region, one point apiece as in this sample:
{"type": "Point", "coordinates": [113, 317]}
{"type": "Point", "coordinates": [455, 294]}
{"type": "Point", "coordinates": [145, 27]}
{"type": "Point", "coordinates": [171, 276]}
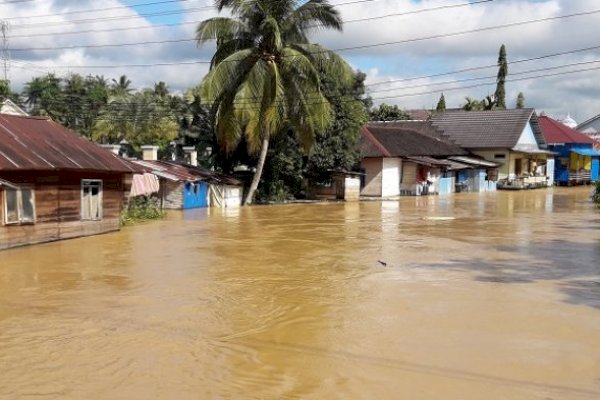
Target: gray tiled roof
{"type": "Point", "coordinates": [487, 129]}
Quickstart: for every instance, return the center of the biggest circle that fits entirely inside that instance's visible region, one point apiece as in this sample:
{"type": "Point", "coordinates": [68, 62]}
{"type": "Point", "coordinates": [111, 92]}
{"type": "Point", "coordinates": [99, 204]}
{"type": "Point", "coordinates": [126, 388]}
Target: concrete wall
{"type": "Point", "coordinates": [351, 188]}
{"type": "Point", "coordinates": [373, 170]}
{"type": "Point", "coordinates": [390, 177]}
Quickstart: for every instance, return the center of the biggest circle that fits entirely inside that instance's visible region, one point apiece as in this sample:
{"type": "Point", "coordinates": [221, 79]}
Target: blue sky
{"type": "Point", "coordinates": [395, 66]}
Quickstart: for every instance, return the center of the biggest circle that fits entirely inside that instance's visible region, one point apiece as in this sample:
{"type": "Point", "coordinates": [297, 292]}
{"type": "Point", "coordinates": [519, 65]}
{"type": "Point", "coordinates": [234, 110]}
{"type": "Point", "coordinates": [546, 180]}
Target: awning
{"type": "Point", "coordinates": [8, 184]}
{"type": "Point", "coordinates": [429, 161]}
{"type": "Point", "coordinates": [474, 161]}
{"type": "Point", "coordinates": [455, 166]}
{"type": "Point", "coordinates": [144, 185]}
{"type": "Point", "coordinates": [532, 149]}
{"type": "Point", "coordinates": [586, 152]}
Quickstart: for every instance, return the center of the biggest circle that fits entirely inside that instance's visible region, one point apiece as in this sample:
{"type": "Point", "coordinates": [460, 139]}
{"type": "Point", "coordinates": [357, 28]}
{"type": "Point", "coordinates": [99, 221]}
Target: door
{"type": "Point", "coordinates": [195, 195]}
{"type": "Point", "coordinates": [595, 169]}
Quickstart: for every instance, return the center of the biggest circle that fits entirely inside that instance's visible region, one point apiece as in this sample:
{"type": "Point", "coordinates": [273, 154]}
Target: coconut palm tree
{"type": "Point", "coordinates": [121, 87]}
{"type": "Point", "coordinates": [265, 74]}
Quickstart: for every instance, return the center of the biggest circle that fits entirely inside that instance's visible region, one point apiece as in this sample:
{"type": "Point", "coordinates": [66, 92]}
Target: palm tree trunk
{"type": "Point", "coordinates": [259, 168]}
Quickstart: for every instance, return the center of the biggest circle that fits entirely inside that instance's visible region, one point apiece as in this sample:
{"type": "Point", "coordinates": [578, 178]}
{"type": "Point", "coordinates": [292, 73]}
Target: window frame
{"type": "Point", "coordinates": [19, 205]}
{"type": "Point", "coordinates": [85, 182]}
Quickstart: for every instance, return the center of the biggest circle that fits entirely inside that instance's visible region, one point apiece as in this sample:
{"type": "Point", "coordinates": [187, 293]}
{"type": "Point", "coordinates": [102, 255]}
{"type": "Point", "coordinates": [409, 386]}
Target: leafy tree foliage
{"type": "Point", "coordinates": [386, 112]}
{"type": "Point", "coordinates": [521, 100]}
{"type": "Point", "coordinates": [500, 95]}
{"type": "Point", "coordinates": [265, 75]}
{"type": "Point", "coordinates": [142, 118]}
{"type": "Point", "coordinates": [289, 170]}
{"type": "Point", "coordinates": [441, 105]}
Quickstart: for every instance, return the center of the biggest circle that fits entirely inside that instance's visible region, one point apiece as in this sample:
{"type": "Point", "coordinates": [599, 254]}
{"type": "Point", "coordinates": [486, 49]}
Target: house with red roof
{"type": "Point", "coordinates": [577, 162]}
{"type": "Point", "coordinates": [55, 184]}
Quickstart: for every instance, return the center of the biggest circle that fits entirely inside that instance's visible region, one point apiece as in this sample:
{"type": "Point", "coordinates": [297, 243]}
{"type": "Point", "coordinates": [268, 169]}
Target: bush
{"type": "Point", "coordinates": [596, 195]}
{"type": "Point", "coordinates": [141, 208]}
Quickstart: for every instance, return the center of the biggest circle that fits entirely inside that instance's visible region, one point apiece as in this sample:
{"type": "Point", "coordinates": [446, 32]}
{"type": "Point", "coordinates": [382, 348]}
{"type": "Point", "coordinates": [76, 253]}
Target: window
{"type": "Point", "coordinates": [19, 206]}
{"type": "Point", "coordinates": [91, 199]}
{"type": "Point", "coordinates": [500, 156]}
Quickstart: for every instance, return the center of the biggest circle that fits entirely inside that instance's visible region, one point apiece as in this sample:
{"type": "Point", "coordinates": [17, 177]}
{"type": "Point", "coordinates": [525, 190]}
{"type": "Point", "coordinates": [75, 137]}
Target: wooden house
{"type": "Point", "coordinates": [577, 161]}
{"type": "Point", "coordinates": [54, 184]}
{"type": "Point", "coordinates": [406, 158]}
{"type": "Point", "coordinates": [510, 138]}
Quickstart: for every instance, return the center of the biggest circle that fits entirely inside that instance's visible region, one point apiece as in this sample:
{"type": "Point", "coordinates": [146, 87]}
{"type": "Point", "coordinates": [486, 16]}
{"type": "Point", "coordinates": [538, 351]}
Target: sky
{"type": "Point", "coordinates": [410, 50]}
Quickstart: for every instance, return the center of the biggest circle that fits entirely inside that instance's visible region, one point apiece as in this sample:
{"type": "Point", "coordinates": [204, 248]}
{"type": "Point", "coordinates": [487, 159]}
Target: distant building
{"type": "Point", "coordinates": [577, 162]}
{"type": "Point", "coordinates": [511, 138]}
{"type": "Point", "coordinates": [591, 128]}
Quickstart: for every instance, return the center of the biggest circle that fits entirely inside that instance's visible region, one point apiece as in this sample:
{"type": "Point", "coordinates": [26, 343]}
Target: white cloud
{"type": "Point", "coordinates": [558, 95]}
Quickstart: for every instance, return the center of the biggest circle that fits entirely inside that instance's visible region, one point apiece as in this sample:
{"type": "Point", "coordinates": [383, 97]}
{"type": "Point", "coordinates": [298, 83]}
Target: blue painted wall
{"type": "Point", "coordinates": [561, 172]}
{"type": "Point", "coordinates": [195, 195]}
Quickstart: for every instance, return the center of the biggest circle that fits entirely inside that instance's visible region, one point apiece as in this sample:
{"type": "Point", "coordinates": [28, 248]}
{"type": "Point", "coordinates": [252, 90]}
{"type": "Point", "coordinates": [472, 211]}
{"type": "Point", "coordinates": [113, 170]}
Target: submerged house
{"type": "Point", "coordinates": [511, 138]}
{"type": "Point", "coordinates": [185, 186]}
{"type": "Point", "coordinates": [56, 185]}
{"type": "Point", "coordinates": [591, 128]}
{"type": "Point", "coordinates": [406, 158]}
{"type": "Point", "coordinates": [577, 161]}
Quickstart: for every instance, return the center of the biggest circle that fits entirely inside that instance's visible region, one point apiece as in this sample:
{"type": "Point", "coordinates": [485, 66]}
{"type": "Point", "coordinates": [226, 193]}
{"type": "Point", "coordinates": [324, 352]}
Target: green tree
{"type": "Point", "coordinates": [500, 94]}
{"type": "Point", "coordinates": [44, 96]}
{"type": "Point", "coordinates": [472, 104]}
{"type": "Point", "coordinates": [7, 93]}
{"type": "Point", "coordinates": [386, 112]}
{"type": "Point", "coordinates": [521, 100]}
{"type": "Point", "coordinates": [264, 77]}
{"type": "Point", "coordinates": [141, 118]}
{"type": "Point", "coordinates": [161, 89]}
{"type": "Point", "coordinates": [337, 148]}
{"type": "Point", "coordinates": [121, 87]}
{"type": "Point", "coordinates": [441, 105]}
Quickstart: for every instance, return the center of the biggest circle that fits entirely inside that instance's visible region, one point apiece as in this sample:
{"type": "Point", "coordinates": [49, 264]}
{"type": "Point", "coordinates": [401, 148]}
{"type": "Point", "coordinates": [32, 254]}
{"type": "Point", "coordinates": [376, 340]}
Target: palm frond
{"type": "Point", "coordinates": [220, 29]}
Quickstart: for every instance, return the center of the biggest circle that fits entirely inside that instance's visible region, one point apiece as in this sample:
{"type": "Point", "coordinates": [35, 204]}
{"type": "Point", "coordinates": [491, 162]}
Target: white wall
{"type": "Point", "coordinates": [527, 137]}
{"type": "Point", "coordinates": [390, 177]}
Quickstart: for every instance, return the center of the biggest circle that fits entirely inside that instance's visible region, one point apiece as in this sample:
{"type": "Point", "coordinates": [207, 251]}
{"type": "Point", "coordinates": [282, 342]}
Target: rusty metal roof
{"type": "Point", "coordinates": [34, 143]}
{"type": "Point", "coordinates": [179, 172]}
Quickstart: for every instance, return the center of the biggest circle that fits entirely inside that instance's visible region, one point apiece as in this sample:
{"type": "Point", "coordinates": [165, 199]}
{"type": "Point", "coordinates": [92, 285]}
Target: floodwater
{"type": "Point", "coordinates": [483, 296]}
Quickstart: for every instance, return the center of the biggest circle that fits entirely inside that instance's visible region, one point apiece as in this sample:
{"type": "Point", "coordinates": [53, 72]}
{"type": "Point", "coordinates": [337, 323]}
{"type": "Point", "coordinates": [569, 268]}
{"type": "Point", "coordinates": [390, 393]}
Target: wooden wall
{"type": "Point", "coordinates": [171, 194]}
{"type": "Point", "coordinates": [58, 207]}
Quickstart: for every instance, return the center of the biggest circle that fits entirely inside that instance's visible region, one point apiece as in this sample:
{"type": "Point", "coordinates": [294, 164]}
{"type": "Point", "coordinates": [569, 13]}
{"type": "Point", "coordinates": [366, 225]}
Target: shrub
{"type": "Point", "coordinates": [141, 208]}
{"type": "Point", "coordinates": [596, 195]}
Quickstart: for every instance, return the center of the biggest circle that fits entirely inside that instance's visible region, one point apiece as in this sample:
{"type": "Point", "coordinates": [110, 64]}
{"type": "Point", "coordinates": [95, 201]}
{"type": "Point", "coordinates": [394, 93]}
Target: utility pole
{"type": "Point", "coordinates": [4, 50]}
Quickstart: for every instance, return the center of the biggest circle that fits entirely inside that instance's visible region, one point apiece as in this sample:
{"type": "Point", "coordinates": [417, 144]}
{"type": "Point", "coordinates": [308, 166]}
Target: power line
{"type": "Point", "coordinates": [341, 49]}
{"type": "Point", "coordinates": [458, 71]}
{"type": "Point", "coordinates": [343, 99]}
{"type": "Point", "coordinates": [15, 1]}
{"type": "Point", "coordinates": [146, 15]}
{"type": "Point", "coordinates": [45, 34]}
{"type": "Point", "coordinates": [25, 65]}
{"type": "Point", "coordinates": [92, 10]}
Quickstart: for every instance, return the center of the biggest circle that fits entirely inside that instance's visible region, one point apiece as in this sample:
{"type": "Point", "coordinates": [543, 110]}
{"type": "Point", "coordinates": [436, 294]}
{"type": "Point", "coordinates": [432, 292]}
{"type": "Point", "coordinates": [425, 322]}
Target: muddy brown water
{"type": "Point", "coordinates": [491, 296]}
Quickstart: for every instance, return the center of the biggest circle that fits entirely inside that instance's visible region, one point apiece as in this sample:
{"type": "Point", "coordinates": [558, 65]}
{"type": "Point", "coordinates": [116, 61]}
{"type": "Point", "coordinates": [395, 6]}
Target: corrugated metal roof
{"type": "Point", "coordinates": [33, 143]}
{"type": "Point", "coordinates": [179, 172]}
{"type": "Point", "coordinates": [487, 129]}
{"type": "Point", "coordinates": [556, 132]}
{"type": "Point", "coordinates": [474, 161]}
{"type": "Point", "coordinates": [429, 161]}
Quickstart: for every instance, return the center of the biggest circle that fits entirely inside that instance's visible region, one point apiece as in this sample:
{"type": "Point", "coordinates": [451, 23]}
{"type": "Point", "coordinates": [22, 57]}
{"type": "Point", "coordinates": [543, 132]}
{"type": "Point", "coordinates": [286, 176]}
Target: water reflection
{"type": "Point", "coordinates": [481, 296]}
